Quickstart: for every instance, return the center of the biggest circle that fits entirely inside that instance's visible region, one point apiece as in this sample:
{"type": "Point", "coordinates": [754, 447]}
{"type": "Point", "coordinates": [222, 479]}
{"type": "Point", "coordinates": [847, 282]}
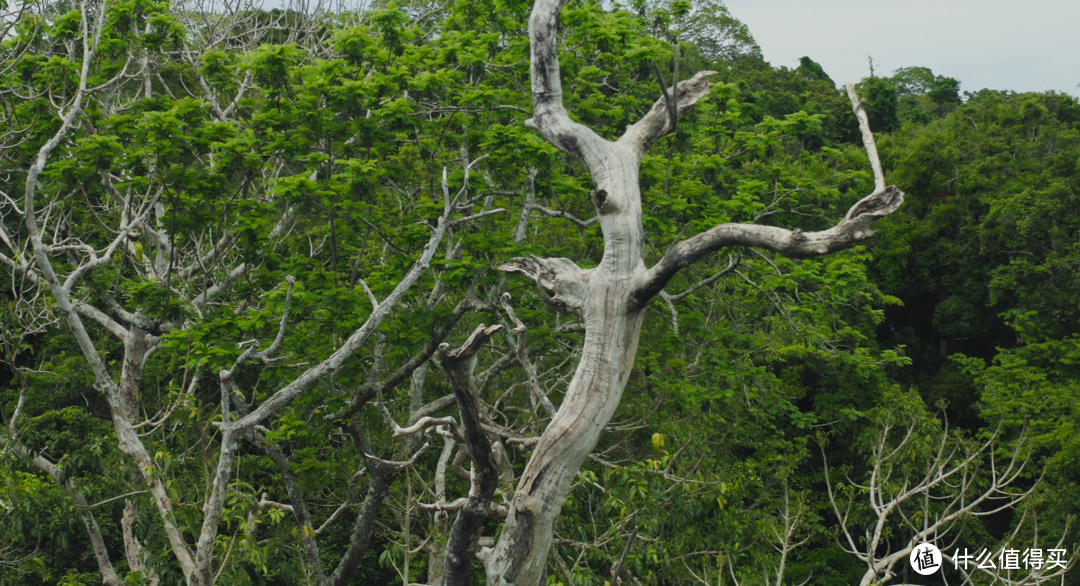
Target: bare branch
{"type": "Point", "coordinates": [854, 228]}
{"type": "Point", "coordinates": [97, 540]}
{"type": "Point", "coordinates": [128, 439]}
{"type": "Point", "coordinates": [97, 315]}
{"type": "Point", "coordinates": [523, 357]}
{"type": "Point", "coordinates": [659, 121]}
{"type": "Point", "coordinates": [365, 393]}
{"type": "Point", "coordinates": [459, 364]}
{"type": "Point", "coordinates": [859, 107]}
{"type": "Point", "coordinates": [562, 284]}
{"type": "Point", "coordinates": [566, 216]}
{"type": "Point", "coordinates": [484, 214]}
{"type": "Point", "coordinates": [218, 288]}
{"type": "Point", "coordinates": [907, 495]}
{"type": "Point", "coordinates": [733, 263]}
{"type": "Point", "coordinates": [399, 463]}
{"type": "Point", "coordinates": [616, 570]}
{"type": "Point", "coordinates": [360, 539]}
{"type": "Point", "coordinates": [549, 114]}
{"type": "Point", "coordinates": [133, 550]}
{"type": "Point", "coordinates": [359, 337]}
{"type": "Point", "coordinates": [208, 259]}
{"type": "Point", "coordinates": [371, 296]}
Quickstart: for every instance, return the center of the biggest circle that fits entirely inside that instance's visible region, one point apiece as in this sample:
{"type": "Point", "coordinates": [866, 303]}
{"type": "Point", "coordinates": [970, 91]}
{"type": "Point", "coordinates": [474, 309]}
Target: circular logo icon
{"type": "Point", "coordinates": [925, 559]}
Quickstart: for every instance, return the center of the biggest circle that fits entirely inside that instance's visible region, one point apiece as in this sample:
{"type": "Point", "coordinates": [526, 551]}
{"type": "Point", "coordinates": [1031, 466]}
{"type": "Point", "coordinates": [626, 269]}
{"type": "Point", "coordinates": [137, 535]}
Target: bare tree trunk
{"type": "Point", "coordinates": [360, 540]}
{"type": "Point", "coordinates": [611, 297]}
{"type": "Point", "coordinates": [132, 548]}
{"type": "Point", "coordinates": [611, 337]}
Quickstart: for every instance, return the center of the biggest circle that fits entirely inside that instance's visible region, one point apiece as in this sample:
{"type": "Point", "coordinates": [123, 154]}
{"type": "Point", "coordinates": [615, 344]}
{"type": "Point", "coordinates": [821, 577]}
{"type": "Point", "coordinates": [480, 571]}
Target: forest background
{"type": "Point", "coordinates": [248, 193]}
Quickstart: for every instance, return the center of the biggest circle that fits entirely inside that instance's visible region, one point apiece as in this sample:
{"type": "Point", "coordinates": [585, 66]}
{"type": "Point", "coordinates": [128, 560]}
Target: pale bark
{"type": "Point", "coordinates": [859, 107]}
{"type": "Point", "coordinates": [316, 373]}
{"type": "Point", "coordinates": [609, 298]}
{"type": "Point", "coordinates": [132, 548]}
{"type": "Point", "coordinates": [382, 476]}
{"type": "Point", "coordinates": [785, 535]}
{"type": "Point", "coordinates": [612, 296]}
{"type": "Point", "coordinates": [937, 499]}
{"type": "Point", "coordinates": [129, 441]}
{"type": "Point", "coordinates": [360, 539]}
{"type": "Point", "coordinates": [437, 551]}
{"type": "Point", "coordinates": [122, 395]}
{"type": "Point", "coordinates": [523, 357]}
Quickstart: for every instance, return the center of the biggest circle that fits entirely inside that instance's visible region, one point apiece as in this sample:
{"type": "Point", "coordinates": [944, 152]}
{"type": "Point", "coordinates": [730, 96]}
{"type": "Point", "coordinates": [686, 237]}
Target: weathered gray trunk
{"type": "Point", "coordinates": [611, 297]}
{"type": "Point", "coordinates": [591, 400]}
{"type": "Point", "coordinates": [612, 329]}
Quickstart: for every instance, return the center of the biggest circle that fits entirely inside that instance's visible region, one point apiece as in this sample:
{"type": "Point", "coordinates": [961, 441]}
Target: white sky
{"type": "Point", "coordinates": [1019, 46]}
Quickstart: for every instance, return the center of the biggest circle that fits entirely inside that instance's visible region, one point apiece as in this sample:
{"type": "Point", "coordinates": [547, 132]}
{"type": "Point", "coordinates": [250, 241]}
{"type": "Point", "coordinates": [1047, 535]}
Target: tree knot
{"type": "Point", "coordinates": [601, 201]}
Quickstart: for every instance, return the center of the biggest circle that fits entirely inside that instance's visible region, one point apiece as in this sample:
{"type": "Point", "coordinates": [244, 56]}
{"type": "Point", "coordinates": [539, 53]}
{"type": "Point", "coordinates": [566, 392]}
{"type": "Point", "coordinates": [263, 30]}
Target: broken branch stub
{"type": "Point", "coordinates": [562, 284]}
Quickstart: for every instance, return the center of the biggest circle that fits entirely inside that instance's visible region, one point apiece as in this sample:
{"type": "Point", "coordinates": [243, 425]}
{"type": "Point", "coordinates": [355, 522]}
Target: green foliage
{"type": "Point", "coordinates": [812, 70]}
{"type": "Point", "coordinates": [337, 147]}
{"type": "Point", "coordinates": [987, 229]}
{"type": "Point", "coordinates": [882, 101]}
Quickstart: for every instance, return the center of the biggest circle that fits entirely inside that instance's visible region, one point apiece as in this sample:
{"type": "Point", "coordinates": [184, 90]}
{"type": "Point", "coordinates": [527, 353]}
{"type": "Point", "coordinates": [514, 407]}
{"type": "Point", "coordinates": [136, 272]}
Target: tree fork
{"type": "Point", "coordinates": [458, 365]}
{"type": "Point", "coordinates": [611, 297]}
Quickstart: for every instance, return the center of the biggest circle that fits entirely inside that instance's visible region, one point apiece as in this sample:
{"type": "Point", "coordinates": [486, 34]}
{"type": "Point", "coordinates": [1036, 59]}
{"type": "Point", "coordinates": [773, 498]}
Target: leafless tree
{"type": "Point", "coordinates": [611, 297]}
{"type": "Point", "coordinates": [929, 491]}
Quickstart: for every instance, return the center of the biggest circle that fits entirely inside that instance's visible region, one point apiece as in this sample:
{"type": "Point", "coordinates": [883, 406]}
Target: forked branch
{"type": "Point", "coordinates": [458, 365]}
{"type": "Point", "coordinates": [659, 121]}
{"type": "Point", "coordinates": [930, 504]}
{"type": "Point", "coordinates": [549, 114]}
{"type": "Point", "coordinates": [523, 357]}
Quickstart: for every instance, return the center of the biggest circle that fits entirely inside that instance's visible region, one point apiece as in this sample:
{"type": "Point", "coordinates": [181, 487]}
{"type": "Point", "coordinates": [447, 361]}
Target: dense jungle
{"type": "Point", "coordinates": [285, 301]}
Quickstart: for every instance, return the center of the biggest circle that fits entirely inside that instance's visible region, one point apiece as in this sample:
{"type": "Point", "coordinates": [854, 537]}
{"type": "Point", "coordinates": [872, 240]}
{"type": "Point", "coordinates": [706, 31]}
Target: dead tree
{"type": "Point", "coordinates": [611, 298]}
{"type": "Point", "coordinates": [930, 498]}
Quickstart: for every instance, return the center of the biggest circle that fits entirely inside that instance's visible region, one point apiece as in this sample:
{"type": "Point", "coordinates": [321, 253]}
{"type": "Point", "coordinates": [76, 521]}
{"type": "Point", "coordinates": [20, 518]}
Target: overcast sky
{"type": "Point", "coordinates": [1029, 46]}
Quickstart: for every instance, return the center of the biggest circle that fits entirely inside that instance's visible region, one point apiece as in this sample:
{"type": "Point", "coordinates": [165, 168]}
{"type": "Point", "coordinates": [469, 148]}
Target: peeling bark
{"type": "Point", "coordinates": [561, 282]}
